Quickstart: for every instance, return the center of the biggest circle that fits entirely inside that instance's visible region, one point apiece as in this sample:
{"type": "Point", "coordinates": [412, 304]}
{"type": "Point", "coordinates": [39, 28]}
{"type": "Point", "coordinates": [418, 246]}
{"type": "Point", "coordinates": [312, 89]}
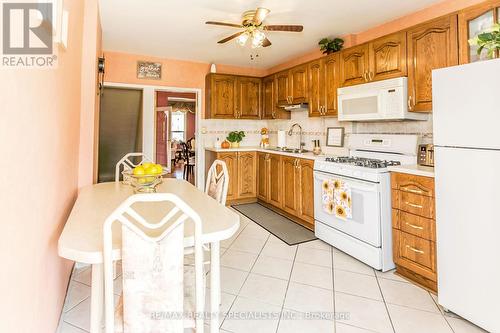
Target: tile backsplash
{"type": "Point", "coordinates": [313, 128]}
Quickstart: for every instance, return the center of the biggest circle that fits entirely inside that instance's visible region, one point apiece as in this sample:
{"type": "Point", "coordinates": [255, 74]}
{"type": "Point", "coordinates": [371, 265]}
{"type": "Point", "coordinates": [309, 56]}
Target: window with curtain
{"type": "Point", "coordinates": [178, 126]}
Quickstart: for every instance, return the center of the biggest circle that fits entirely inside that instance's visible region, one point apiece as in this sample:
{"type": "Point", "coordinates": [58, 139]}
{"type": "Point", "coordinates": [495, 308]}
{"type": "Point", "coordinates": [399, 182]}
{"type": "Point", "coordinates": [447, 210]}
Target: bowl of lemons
{"type": "Point", "coordinates": [145, 177]}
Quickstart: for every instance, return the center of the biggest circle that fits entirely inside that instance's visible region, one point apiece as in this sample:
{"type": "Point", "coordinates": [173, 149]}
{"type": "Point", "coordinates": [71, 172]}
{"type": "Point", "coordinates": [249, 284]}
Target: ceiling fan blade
{"type": "Point", "coordinates": [260, 15]}
{"type": "Point", "coordinates": [227, 39]}
{"type": "Point", "coordinates": [266, 42]}
{"type": "Point", "coordinates": [225, 24]}
{"type": "Point", "coordinates": [290, 28]}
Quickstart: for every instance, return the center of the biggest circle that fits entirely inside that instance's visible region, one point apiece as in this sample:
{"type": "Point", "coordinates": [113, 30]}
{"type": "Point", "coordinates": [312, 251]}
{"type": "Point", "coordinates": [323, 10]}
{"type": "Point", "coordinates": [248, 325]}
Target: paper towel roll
{"type": "Point", "coordinates": [281, 139]}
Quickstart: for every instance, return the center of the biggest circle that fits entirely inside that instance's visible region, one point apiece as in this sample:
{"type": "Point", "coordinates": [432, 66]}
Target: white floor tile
{"type": "Point", "coordinates": [407, 294]}
{"type": "Point", "coordinates": [238, 260]}
{"type": "Point", "coordinates": [67, 328]}
{"type": "Point", "coordinates": [250, 316]}
{"type": "Point", "coordinates": [357, 284]}
{"type": "Point", "coordinates": [248, 244]}
{"type": "Point", "coordinates": [279, 250]}
{"type": "Point", "coordinates": [83, 275]}
{"type": "Point", "coordinates": [231, 280]}
{"type": "Point", "coordinates": [345, 262]}
{"type": "Point", "coordinates": [79, 316]}
{"type": "Point", "coordinates": [274, 267]}
{"type": "Point", "coordinates": [77, 292]}
{"type": "Point", "coordinates": [390, 275]}
{"type": "Point", "coordinates": [363, 312]}
{"type": "Point", "coordinates": [318, 245]}
{"type": "Point", "coordinates": [303, 298]}
{"type": "Point", "coordinates": [407, 320]}
{"type": "Point", "coordinates": [264, 289]}
{"type": "Point", "coordinates": [295, 322]}
{"type": "Point", "coordinates": [227, 301]}
{"type": "Point", "coordinates": [463, 326]}
{"type": "Point", "coordinates": [312, 275]}
{"type": "Point", "coordinates": [314, 256]}
{"type": "Point", "coordinates": [343, 328]}
{"type": "Point", "coordinates": [256, 231]}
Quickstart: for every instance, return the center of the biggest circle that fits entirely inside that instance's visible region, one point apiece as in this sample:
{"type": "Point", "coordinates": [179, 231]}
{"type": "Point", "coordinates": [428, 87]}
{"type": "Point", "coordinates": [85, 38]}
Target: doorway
{"type": "Point", "coordinates": [175, 125]}
{"type": "Point", "coordinates": [120, 128]}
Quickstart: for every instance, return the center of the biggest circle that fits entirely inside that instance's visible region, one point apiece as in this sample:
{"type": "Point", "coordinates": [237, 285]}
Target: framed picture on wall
{"type": "Point", "coordinates": [335, 137]}
{"type": "Point", "coordinates": [148, 70]}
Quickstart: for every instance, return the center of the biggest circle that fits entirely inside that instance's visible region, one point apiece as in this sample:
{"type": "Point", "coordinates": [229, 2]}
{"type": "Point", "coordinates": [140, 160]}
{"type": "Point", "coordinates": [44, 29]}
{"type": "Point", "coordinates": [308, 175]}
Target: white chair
{"type": "Point", "coordinates": [126, 164]}
{"type": "Point", "coordinates": [154, 280]}
{"type": "Point", "coordinates": [218, 182]}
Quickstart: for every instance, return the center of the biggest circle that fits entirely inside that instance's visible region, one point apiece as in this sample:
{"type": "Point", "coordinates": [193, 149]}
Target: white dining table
{"type": "Point", "coordinates": [81, 239]}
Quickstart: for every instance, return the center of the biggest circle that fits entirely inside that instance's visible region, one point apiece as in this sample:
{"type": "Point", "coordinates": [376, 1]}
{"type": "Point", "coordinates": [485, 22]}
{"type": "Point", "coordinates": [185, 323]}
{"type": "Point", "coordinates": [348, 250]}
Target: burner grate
{"type": "Point", "coordinates": [362, 162]}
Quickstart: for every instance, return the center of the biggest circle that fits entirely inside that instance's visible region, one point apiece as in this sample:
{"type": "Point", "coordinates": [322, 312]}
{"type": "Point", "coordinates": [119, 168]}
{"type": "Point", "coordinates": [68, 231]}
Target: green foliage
{"type": "Point", "coordinates": [488, 39]}
{"type": "Point", "coordinates": [235, 136]}
{"type": "Point", "coordinates": [328, 45]}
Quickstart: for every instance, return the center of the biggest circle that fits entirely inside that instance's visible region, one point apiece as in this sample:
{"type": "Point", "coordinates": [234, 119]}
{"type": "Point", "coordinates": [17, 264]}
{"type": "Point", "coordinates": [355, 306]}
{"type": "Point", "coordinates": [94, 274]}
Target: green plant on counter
{"type": "Point", "coordinates": [488, 39]}
{"type": "Point", "coordinates": [328, 45]}
{"type": "Point", "coordinates": [235, 136]}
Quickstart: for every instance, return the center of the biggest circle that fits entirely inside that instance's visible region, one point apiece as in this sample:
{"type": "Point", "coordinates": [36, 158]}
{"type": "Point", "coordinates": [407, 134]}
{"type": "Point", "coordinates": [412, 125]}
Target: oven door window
{"type": "Point", "coordinates": [365, 196]}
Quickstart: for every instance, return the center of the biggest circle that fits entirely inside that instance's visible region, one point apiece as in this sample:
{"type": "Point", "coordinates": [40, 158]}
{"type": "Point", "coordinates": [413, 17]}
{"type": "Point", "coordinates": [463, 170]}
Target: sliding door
{"type": "Point", "coordinates": [120, 128]}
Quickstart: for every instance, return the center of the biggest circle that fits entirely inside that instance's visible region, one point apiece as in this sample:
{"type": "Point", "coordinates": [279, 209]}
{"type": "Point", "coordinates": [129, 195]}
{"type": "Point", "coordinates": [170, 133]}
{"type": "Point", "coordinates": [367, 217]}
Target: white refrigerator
{"type": "Point", "coordinates": [466, 120]}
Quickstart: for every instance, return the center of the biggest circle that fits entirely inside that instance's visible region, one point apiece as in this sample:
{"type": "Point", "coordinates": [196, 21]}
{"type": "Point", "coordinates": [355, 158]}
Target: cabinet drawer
{"type": "Point", "coordinates": [416, 204]}
{"type": "Point", "coordinates": [413, 184]}
{"type": "Point", "coordinates": [415, 225]}
{"type": "Point", "coordinates": [416, 254]}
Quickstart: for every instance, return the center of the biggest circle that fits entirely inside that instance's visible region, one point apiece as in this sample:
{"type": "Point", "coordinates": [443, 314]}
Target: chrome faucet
{"type": "Point", "coordinates": [290, 132]}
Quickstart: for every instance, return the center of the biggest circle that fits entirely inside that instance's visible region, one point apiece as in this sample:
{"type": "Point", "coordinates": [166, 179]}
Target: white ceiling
{"type": "Point", "coordinates": [176, 28]}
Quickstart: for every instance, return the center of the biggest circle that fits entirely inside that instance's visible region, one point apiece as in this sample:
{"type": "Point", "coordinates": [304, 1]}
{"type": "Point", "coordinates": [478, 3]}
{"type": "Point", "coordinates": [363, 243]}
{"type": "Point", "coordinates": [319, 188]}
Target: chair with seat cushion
{"type": "Point", "coordinates": [160, 293]}
{"type": "Point", "coordinates": [218, 181]}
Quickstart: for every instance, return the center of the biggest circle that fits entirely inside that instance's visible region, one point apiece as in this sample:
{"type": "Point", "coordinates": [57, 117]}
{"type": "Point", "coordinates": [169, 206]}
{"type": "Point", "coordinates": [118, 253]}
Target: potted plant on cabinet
{"type": "Point", "coordinates": [328, 45]}
{"type": "Point", "coordinates": [488, 39]}
{"type": "Point", "coordinates": [235, 138]}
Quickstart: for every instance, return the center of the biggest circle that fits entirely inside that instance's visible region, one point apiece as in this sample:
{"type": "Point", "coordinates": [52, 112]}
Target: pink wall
{"type": "Point", "coordinates": [39, 136]}
{"type": "Point", "coordinates": [401, 23]}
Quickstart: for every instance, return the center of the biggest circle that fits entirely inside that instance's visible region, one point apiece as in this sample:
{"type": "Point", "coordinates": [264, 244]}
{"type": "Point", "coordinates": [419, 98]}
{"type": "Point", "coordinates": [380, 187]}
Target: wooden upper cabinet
{"type": "Point", "coordinates": [388, 57]}
{"type": "Point", "coordinates": [354, 65]}
{"type": "Point", "coordinates": [248, 97]}
{"type": "Point", "coordinates": [268, 98]}
{"type": "Point", "coordinates": [282, 88]}
{"type": "Point", "coordinates": [262, 176]}
{"type": "Point", "coordinates": [231, 160]}
{"type": "Point", "coordinates": [305, 190]}
{"type": "Point", "coordinates": [331, 80]}
{"type": "Point", "coordinates": [316, 88]}
{"type": "Point", "coordinates": [247, 174]}
{"type": "Point", "coordinates": [220, 96]}
{"type": "Point", "coordinates": [289, 180]}
{"type": "Point", "coordinates": [431, 46]}
{"type": "Point", "coordinates": [298, 84]}
{"type": "Point", "coordinates": [471, 22]}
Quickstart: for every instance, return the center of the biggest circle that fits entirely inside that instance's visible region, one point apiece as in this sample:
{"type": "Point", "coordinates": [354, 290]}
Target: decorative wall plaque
{"type": "Point", "coordinates": [148, 70]}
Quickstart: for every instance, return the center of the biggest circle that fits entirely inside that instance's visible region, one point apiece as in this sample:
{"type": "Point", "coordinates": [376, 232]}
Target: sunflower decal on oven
{"type": "Point", "coordinates": [336, 198]}
{"type": "Point", "coordinates": [340, 212]}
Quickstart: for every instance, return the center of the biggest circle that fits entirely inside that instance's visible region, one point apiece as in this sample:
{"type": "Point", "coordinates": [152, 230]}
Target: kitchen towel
{"type": "Point", "coordinates": [336, 198]}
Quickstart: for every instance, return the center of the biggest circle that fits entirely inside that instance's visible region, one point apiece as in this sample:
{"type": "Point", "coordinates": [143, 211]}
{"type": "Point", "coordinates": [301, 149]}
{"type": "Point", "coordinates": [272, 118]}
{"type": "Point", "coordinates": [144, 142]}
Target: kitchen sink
{"type": "Point", "coordinates": [289, 150]}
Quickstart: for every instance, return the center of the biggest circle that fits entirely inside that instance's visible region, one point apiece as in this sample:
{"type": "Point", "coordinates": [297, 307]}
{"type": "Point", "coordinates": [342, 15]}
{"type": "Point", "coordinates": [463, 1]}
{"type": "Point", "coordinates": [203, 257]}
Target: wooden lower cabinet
{"type": "Point", "coordinates": [414, 228]}
{"type": "Point", "coordinates": [242, 168]}
{"type": "Point", "coordinates": [305, 189]}
{"type": "Point", "coordinates": [289, 180]}
{"type": "Point", "coordinates": [274, 183]}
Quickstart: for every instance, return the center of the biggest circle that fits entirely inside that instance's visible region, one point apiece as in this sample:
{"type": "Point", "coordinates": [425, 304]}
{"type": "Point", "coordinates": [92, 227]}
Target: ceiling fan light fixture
{"type": "Point", "coordinates": [258, 38]}
{"type": "Point", "coordinates": [242, 39]}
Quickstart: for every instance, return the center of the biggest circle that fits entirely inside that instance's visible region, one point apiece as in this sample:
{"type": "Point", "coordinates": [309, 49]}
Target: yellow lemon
{"type": "Point", "coordinates": [146, 165]}
{"type": "Point", "coordinates": [160, 168]}
{"type": "Point", "coordinates": [152, 170]}
{"type": "Point", "coordinates": [138, 171]}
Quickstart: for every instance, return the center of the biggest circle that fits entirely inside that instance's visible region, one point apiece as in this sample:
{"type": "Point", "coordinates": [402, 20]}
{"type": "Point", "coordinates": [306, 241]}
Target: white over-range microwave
{"type": "Point", "coordinates": [376, 101]}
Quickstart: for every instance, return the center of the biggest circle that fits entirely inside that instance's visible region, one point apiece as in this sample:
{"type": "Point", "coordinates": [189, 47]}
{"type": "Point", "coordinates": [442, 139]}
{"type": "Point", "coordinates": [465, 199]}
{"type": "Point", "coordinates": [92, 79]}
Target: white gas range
{"type": "Point", "coordinates": [366, 236]}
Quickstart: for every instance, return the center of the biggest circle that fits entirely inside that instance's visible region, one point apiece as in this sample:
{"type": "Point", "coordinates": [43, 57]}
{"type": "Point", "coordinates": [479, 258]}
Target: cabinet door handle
{"type": "Point", "coordinates": [412, 191]}
{"type": "Point", "coordinates": [371, 76]}
{"type": "Point", "coordinates": [410, 107]}
{"type": "Point", "coordinates": [414, 249]}
{"type": "Point", "coordinates": [413, 205]}
{"type": "Point", "coordinates": [365, 76]}
{"type": "Point", "coordinates": [414, 226]}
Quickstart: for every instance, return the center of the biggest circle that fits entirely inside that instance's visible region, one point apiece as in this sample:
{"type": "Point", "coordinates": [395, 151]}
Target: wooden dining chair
{"type": "Point", "coordinates": [157, 286]}
{"type": "Point", "coordinates": [126, 163]}
{"type": "Point", "coordinates": [189, 161]}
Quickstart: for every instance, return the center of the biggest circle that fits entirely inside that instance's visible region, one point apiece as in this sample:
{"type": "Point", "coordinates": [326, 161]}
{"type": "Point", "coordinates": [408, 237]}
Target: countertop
{"type": "Point", "coordinates": [418, 170]}
{"type": "Point", "coordinates": [308, 155]}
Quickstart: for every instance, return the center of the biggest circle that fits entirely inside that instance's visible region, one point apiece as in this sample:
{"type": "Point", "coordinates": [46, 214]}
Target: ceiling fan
{"type": "Point", "coordinates": [254, 28]}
